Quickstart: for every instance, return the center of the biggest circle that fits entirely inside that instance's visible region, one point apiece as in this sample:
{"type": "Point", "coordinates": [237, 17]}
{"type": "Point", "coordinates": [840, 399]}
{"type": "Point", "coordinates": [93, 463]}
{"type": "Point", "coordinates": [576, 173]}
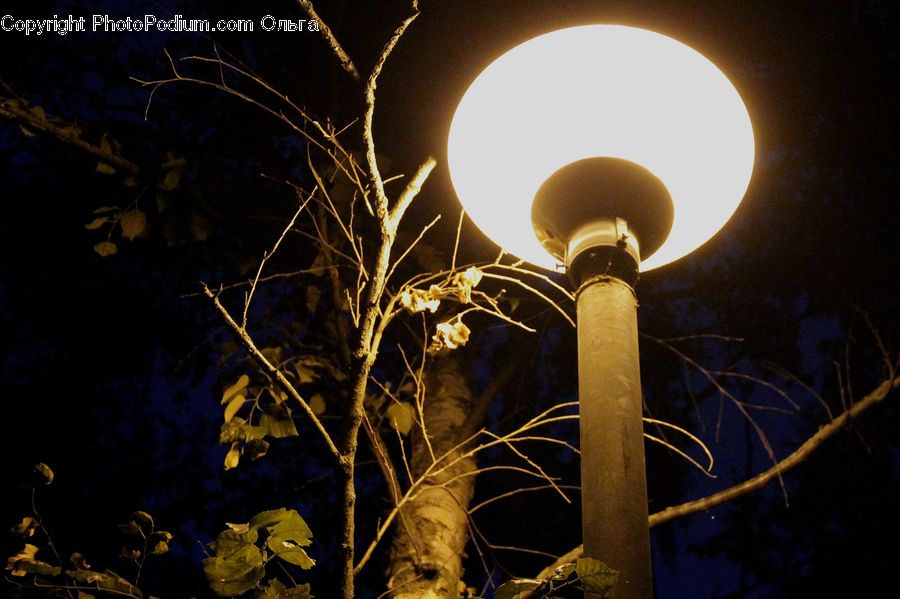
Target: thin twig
{"type": "Point", "coordinates": [272, 371]}
{"type": "Point", "coordinates": [759, 481]}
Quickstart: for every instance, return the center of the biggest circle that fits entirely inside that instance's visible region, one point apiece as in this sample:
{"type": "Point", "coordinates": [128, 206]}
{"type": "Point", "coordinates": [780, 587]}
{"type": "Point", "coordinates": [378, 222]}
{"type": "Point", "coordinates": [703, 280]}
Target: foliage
{"type": "Point", "coordinates": [241, 553]}
{"type": "Point", "coordinates": [141, 540]}
{"type": "Point", "coordinates": [588, 574]}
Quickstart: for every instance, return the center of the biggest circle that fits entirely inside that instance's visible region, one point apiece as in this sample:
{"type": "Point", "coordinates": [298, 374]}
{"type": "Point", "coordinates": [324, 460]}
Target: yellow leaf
{"type": "Point", "coordinates": [105, 209]}
{"type": "Point", "coordinates": [171, 180]}
{"type": "Point", "coordinates": [96, 223]}
{"type": "Point", "coordinates": [401, 416]}
{"type": "Point", "coordinates": [26, 554]}
{"type": "Point", "coordinates": [317, 404]}
{"type": "Point", "coordinates": [26, 131]}
{"type": "Point", "coordinates": [233, 456]}
{"type": "Point", "coordinates": [105, 248]}
{"type": "Point", "coordinates": [45, 472]}
{"type": "Point", "coordinates": [238, 528]}
{"type": "Point", "coordinates": [233, 406]}
{"type": "Point", "coordinates": [236, 388]}
{"type": "Point", "coordinates": [26, 527]}
{"type": "Point", "coordinates": [104, 145]}
{"type": "Point", "coordinates": [133, 223]}
{"type": "Point", "coordinates": [29, 552]}
{"type": "Point", "coordinates": [106, 169]}
{"type": "Point", "coordinates": [174, 160]}
{"type": "Point", "coordinates": [160, 548]}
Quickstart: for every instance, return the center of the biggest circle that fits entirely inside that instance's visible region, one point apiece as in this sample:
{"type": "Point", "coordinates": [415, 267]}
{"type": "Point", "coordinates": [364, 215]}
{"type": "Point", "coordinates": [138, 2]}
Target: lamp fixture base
{"type": "Point", "coordinates": [602, 202]}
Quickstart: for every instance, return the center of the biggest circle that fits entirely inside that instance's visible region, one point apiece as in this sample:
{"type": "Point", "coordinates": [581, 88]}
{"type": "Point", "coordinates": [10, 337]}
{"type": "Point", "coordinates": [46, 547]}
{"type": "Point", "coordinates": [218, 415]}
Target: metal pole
{"type": "Point", "coordinates": [613, 475]}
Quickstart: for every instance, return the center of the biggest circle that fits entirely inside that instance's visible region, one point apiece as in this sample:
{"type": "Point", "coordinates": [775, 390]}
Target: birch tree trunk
{"type": "Point", "coordinates": [431, 535]}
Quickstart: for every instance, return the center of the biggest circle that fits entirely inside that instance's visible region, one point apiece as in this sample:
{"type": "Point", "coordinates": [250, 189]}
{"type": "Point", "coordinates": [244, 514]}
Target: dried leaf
{"type": "Point", "coordinates": [133, 223]}
{"type": "Point", "coordinates": [464, 282]}
{"type": "Point", "coordinates": [106, 248]}
{"type": "Point", "coordinates": [26, 131]}
{"type": "Point", "coordinates": [418, 300]}
{"type": "Point", "coordinates": [105, 169]}
{"type": "Point", "coordinates": [449, 335]}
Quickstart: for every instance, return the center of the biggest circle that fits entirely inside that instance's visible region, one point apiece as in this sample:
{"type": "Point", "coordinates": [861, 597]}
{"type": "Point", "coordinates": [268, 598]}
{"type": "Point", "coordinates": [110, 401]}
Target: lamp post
{"type": "Point", "coordinates": [603, 150]}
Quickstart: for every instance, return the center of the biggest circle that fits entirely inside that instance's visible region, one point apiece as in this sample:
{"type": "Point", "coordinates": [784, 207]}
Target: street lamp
{"type": "Point", "coordinates": [603, 150]}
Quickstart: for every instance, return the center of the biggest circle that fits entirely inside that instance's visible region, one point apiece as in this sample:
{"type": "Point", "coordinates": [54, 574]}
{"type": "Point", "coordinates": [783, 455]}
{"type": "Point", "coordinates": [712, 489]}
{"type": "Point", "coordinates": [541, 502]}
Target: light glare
{"type": "Point", "coordinates": [592, 91]}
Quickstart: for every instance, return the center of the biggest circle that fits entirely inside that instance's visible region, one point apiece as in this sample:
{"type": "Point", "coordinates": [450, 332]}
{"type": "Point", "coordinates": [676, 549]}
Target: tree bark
{"type": "Point", "coordinates": [431, 534]}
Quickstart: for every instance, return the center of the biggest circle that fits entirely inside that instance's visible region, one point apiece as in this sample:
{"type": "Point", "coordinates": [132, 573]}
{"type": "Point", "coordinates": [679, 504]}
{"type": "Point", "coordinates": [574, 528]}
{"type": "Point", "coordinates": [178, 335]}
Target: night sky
{"type": "Point", "coordinates": [112, 367]}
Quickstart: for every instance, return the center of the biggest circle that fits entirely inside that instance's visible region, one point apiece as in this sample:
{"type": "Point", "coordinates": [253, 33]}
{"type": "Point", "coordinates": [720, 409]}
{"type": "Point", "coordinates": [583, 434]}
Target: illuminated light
{"type": "Point", "coordinates": [600, 91]}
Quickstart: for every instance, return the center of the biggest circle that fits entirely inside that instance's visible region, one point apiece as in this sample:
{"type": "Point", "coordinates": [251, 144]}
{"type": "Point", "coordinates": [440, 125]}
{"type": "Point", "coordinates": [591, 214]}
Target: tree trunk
{"type": "Point", "coordinates": [431, 534]}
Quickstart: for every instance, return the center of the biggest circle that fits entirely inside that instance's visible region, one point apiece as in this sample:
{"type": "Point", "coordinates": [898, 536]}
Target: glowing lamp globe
{"type": "Point", "coordinates": [600, 122]}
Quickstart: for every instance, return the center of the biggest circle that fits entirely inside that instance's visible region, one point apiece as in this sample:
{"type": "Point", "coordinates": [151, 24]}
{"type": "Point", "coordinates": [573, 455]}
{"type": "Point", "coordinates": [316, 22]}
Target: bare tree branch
{"type": "Point", "coordinates": [332, 41]}
{"type": "Point", "coordinates": [273, 371]}
{"type": "Point", "coordinates": [759, 481]}
{"type": "Point", "coordinates": [35, 119]}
